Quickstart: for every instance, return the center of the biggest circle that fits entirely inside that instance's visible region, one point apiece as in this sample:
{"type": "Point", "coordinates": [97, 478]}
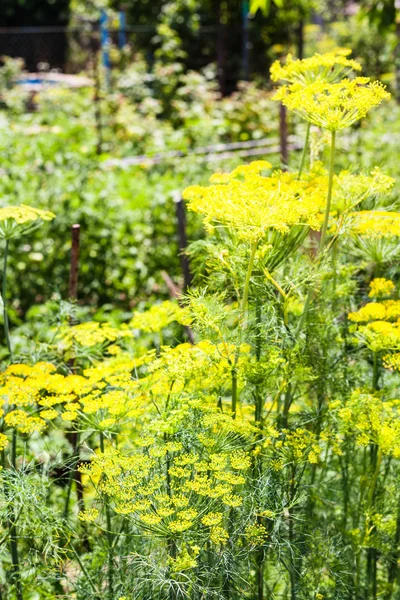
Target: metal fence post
{"type": "Point", "coordinates": [105, 43]}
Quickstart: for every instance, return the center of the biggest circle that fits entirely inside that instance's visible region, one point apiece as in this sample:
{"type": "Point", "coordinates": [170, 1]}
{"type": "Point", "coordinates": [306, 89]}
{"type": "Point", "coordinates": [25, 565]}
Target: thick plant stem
{"type": "Point", "coordinates": [393, 568]}
{"type": "Point", "coordinates": [329, 198]}
{"type": "Point", "coordinates": [234, 391]}
{"type": "Point", "coordinates": [375, 372]}
{"type": "Point", "coordinates": [243, 306]}
{"type": "Point", "coordinates": [16, 573]}
{"type": "Point", "coordinates": [4, 294]}
{"type": "Point", "coordinates": [246, 288]}
{"type": "Point", "coordinates": [376, 460]}
{"type": "Point", "coordinates": [305, 149]}
{"type": "Point", "coordinates": [110, 539]}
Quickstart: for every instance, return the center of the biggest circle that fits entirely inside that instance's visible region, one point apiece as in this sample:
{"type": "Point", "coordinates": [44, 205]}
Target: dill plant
{"type": "Point", "coordinates": [260, 461]}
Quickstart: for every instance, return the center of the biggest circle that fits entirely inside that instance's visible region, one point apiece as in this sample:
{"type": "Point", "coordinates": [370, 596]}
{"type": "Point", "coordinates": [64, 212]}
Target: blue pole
{"type": "Point", "coordinates": [245, 39]}
{"type": "Point", "coordinates": [122, 29]}
{"type": "Point", "coordinates": [105, 42]}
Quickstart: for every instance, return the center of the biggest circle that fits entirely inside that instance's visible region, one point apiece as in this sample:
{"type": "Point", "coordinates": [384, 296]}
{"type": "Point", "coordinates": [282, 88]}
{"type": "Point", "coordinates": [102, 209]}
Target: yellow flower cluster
{"type": "Point", "coordinates": [20, 395]}
{"type": "Point", "coordinates": [92, 333]}
{"type": "Point", "coordinates": [302, 445]}
{"type": "Point", "coordinates": [31, 396]}
{"type": "Point", "coordinates": [320, 67]}
{"type": "Point", "coordinates": [378, 325]}
{"type": "Point", "coordinates": [381, 287]}
{"type": "Point", "coordinates": [16, 220]}
{"type": "Point", "coordinates": [256, 534]}
{"type": "Point", "coordinates": [373, 421]}
{"type": "Point", "coordinates": [250, 204]}
{"type": "Point", "coordinates": [185, 560]}
{"type": "Point", "coordinates": [387, 310]}
{"type": "Point", "coordinates": [160, 316]}
{"type": "Point", "coordinates": [333, 106]}
{"type": "Point", "coordinates": [189, 368]}
{"type": "Point", "coordinates": [195, 482]}
{"type": "Point", "coordinates": [349, 189]}
{"type": "Point", "coordinates": [89, 515]}
{"type": "Point", "coordinates": [375, 223]}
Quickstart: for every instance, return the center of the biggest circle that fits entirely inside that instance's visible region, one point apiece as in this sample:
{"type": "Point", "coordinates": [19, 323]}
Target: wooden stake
{"type": "Point", "coordinates": [283, 136]}
{"type": "Point", "coordinates": [182, 241]}
{"type": "Point", "coordinates": [73, 274]}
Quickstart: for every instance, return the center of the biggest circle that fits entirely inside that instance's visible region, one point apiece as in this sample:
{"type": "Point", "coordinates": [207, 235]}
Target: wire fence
{"type": "Point", "coordinates": [71, 49]}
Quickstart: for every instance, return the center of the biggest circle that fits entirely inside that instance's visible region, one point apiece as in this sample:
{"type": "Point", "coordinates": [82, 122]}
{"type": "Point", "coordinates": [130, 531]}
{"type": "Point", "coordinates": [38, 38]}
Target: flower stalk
{"type": "Point", "coordinates": [4, 294]}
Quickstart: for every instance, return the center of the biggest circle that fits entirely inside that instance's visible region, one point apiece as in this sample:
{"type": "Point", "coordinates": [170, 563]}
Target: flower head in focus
{"type": "Point", "coordinates": [250, 204]}
{"type": "Point", "coordinates": [18, 220]}
{"type": "Point", "coordinates": [333, 106]}
{"type": "Point", "coordinates": [329, 67]}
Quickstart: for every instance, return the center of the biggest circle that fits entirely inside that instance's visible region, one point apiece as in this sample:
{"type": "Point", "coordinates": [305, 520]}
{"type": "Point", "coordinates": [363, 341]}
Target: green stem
{"type": "Point", "coordinates": [234, 391]}
{"type": "Point", "coordinates": [84, 570]}
{"type": "Point", "coordinates": [375, 372]}
{"type": "Point", "coordinates": [374, 481]}
{"type": "Point", "coordinates": [110, 540]}
{"type": "Point", "coordinates": [304, 153]}
{"type": "Point", "coordinates": [4, 294]}
{"type": "Point", "coordinates": [246, 288]}
{"type": "Point", "coordinates": [243, 306]}
{"type": "Point", "coordinates": [16, 573]}
{"type": "Point", "coordinates": [330, 188]}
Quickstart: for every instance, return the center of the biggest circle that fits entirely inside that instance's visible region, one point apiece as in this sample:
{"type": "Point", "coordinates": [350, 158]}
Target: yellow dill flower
{"type": "Point", "coordinates": [240, 460]}
{"type": "Point", "coordinates": [372, 311]}
{"type": "Point", "coordinates": [184, 561]}
{"type": "Point", "coordinates": [372, 420]}
{"type": "Point", "coordinates": [320, 67]}
{"type": "Point", "coordinates": [251, 204]}
{"type": "Point", "coordinates": [256, 534]}
{"type": "Point", "coordinates": [49, 414]}
{"type": "Point", "coordinates": [69, 416]}
{"type": "Point", "coordinates": [17, 220]}
{"type": "Point", "coordinates": [150, 519]}
{"type": "Point", "coordinates": [380, 335]}
{"type": "Point", "coordinates": [89, 515]}
{"type": "Point", "coordinates": [392, 361]}
{"type": "Point", "coordinates": [232, 500]}
{"type": "Point", "coordinates": [219, 535]}
{"type": "Point", "coordinates": [375, 223]}
{"type": "Point", "coordinates": [24, 422]}
{"type": "Point", "coordinates": [377, 311]}
{"type": "Point", "coordinates": [160, 316]}
{"type": "Point", "coordinates": [212, 519]}
{"type": "Point", "coordinates": [92, 333]}
{"type": "Point", "coordinates": [333, 106]}
{"type": "Point", "coordinates": [381, 287]}
{"type": "Point", "coordinates": [3, 441]}
{"type": "Point", "coordinates": [180, 525]}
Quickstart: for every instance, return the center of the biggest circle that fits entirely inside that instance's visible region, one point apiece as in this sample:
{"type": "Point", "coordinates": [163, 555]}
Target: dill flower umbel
{"type": "Point", "coordinates": [327, 67]}
{"type": "Point", "coordinates": [381, 287]}
{"type": "Point", "coordinates": [333, 106]}
{"type": "Point", "coordinates": [92, 333]}
{"type": "Point", "coordinates": [378, 326]}
{"type": "Point", "coordinates": [17, 220]}
{"type": "Point", "coordinates": [250, 204]}
{"type": "Point", "coordinates": [160, 316]}
{"type": "Point", "coordinates": [375, 223]}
